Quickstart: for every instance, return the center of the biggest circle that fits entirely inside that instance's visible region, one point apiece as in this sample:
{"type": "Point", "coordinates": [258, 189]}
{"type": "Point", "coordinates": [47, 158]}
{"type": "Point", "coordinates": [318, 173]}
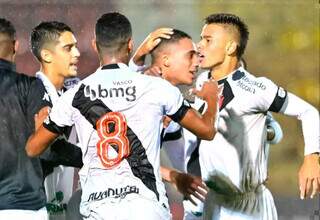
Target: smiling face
{"type": "Point", "coordinates": [212, 47]}
{"type": "Point", "coordinates": [180, 62]}
{"type": "Point", "coordinates": [65, 55]}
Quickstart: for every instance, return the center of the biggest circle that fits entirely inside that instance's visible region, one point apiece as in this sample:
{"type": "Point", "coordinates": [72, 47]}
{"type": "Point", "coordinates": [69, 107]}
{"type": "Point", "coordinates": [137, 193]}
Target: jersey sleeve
{"type": "Point", "coordinates": [175, 106]}
{"type": "Point", "coordinates": [62, 113]}
{"type": "Point", "coordinates": [268, 96]}
{"type": "Point", "coordinates": [36, 99]}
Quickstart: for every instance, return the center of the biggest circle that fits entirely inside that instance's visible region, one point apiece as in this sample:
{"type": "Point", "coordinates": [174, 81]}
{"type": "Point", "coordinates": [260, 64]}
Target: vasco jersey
{"type": "Point", "coordinates": [236, 159]}
{"type": "Point", "coordinates": [118, 117]}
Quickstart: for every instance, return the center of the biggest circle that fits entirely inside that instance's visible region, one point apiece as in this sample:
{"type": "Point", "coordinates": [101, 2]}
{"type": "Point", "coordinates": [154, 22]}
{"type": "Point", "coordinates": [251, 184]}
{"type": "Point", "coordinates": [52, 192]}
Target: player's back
{"type": "Point", "coordinates": [118, 121]}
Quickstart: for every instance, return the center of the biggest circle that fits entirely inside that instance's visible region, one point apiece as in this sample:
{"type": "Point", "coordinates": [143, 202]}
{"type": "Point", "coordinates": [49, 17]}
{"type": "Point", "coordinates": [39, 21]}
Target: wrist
{"type": "Point", "coordinates": [312, 156]}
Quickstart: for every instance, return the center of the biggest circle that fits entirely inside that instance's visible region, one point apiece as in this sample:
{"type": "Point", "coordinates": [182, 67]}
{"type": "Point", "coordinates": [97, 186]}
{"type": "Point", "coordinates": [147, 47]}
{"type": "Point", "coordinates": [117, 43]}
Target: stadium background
{"type": "Point", "coordinates": [283, 45]}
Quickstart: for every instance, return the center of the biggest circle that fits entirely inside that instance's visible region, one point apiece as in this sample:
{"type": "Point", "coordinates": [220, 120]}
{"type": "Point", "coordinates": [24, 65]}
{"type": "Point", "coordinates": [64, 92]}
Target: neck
{"type": "Point", "coordinates": [121, 58]}
{"type": "Point", "coordinates": [55, 78]}
{"type": "Point", "coordinates": [223, 70]}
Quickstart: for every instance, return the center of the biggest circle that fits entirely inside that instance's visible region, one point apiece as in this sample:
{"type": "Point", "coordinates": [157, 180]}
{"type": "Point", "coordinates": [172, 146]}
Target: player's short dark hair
{"type": "Point", "coordinates": [175, 38]}
{"type": "Point", "coordinates": [6, 27]}
{"type": "Point", "coordinates": [46, 32]}
{"type": "Point", "coordinates": [113, 31]}
{"type": "Point", "coordinates": [231, 19]}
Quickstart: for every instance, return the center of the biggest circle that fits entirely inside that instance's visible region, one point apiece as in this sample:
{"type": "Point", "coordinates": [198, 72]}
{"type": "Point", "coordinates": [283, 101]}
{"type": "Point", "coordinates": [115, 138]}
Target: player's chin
{"type": "Point", "coordinates": [73, 71]}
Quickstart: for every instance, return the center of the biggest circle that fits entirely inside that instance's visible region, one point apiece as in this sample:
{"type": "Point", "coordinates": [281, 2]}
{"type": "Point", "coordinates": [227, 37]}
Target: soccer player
{"type": "Point", "coordinates": [22, 194]}
{"type": "Point", "coordinates": [174, 56]}
{"type": "Point", "coordinates": [118, 117]}
{"type": "Point", "coordinates": [55, 47]}
{"type": "Point", "coordinates": [234, 163]}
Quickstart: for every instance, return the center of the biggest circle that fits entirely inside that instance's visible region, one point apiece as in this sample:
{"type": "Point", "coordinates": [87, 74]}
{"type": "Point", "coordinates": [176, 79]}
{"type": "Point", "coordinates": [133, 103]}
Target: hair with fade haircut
{"type": "Point", "coordinates": [7, 28]}
{"type": "Point", "coordinates": [175, 38]}
{"type": "Point", "coordinates": [46, 33]}
{"type": "Point", "coordinates": [113, 31]}
{"type": "Point", "coordinates": [231, 19]}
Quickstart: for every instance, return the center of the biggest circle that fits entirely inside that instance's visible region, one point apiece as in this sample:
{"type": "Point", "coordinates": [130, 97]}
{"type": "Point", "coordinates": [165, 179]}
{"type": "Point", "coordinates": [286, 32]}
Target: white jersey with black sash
{"type": "Point", "coordinates": [234, 163]}
{"type": "Point", "coordinates": [118, 117]}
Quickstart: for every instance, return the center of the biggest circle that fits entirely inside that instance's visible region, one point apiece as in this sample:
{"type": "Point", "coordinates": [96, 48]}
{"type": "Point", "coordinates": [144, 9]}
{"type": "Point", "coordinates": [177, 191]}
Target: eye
{"type": "Point", "coordinates": [68, 48]}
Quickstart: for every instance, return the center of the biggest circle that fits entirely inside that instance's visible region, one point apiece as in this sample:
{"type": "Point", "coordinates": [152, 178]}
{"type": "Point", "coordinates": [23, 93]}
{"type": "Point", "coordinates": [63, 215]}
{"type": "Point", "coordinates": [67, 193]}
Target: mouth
{"type": "Point", "coordinates": [74, 64]}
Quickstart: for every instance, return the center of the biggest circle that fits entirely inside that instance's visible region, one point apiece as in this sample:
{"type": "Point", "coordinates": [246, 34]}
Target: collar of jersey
{"type": "Point", "coordinates": [114, 66]}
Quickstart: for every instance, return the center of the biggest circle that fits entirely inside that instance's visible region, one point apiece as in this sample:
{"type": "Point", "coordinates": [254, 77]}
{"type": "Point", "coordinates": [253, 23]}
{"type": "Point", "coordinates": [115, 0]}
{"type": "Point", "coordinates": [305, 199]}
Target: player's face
{"type": "Point", "coordinates": [65, 55]}
{"type": "Point", "coordinates": [212, 46]}
{"type": "Point", "coordinates": [184, 62]}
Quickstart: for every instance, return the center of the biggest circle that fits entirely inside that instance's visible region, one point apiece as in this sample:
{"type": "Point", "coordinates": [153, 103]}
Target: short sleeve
{"type": "Point", "coordinates": [268, 96]}
{"type": "Point", "coordinates": [36, 99]}
{"type": "Point", "coordinates": [175, 106]}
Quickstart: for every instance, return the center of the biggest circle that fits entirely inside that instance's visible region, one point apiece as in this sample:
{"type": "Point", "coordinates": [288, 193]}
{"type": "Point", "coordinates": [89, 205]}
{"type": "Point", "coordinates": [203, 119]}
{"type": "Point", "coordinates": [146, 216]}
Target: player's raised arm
{"type": "Point", "coordinates": [203, 125]}
{"type": "Point", "coordinates": [151, 41]}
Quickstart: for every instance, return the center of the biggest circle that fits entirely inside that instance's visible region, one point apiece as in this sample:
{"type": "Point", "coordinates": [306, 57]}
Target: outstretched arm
{"type": "Point", "coordinates": [309, 174]}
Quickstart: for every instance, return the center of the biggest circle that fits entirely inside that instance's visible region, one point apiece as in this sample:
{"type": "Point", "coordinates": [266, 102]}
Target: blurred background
{"type": "Point", "coordinates": [283, 45]}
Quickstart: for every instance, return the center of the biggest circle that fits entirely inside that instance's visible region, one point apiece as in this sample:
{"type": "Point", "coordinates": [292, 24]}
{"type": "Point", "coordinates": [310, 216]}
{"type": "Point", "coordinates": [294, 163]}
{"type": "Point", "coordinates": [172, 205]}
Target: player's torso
{"type": "Point", "coordinates": [237, 151]}
{"type": "Point", "coordinates": [121, 140]}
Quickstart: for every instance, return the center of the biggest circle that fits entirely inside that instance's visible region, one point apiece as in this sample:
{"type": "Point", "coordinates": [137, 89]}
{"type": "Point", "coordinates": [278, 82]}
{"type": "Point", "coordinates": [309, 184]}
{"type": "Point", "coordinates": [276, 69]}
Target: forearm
{"type": "Point", "coordinates": [309, 117]}
{"type": "Point", "coordinates": [39, 141]}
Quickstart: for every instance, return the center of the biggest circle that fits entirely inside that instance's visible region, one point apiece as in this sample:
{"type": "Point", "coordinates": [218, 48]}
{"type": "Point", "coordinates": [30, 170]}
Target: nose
{"type": "Point", "coordinates": [76, 52]}
{"type": "Point", "coordinates": [199, 45]}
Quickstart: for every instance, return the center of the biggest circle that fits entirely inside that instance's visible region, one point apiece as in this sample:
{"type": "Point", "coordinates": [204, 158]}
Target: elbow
{"type": "Point", "coordinates": [30, 150]}
{"type": "Point", "coordinates": [209, 135]}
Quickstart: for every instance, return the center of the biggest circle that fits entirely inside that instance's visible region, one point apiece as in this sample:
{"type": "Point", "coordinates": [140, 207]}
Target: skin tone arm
{"type": "Point", "coordinates": [40, 140]}
{"type": "Point", "coordinates": [151, 41]}
{"type": "Point", "coordinates": [203, 125]}
{"type": "Point", "coordinates": [309, 176]}
{"type": "Point", "coordinates": [186, 184]}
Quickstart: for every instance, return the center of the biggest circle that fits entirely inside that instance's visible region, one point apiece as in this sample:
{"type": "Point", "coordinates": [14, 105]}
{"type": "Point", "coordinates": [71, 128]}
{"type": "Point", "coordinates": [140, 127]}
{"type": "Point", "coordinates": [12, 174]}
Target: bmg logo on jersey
{"type": "Point", "coordinates": [129, 93]}
{"type": "Point", "coordinates": [113, 193]}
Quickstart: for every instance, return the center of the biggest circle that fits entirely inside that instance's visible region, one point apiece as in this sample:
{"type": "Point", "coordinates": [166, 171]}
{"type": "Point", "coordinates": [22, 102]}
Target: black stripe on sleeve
{"type": "Point", "coordinates": [178, 116]}
{"type": "Point", "coordinates": [279, 100]}
{"type": "Point", "coordinates": [53, 127]}
{"type": "Point", "coordinates": [172, 136]}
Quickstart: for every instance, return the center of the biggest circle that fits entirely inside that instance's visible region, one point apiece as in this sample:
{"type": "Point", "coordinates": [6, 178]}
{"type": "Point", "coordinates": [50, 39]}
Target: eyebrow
{"type": "Point", "coordinates": [70, 45]}
{"type": "Point", "coordinates": [206, 36]}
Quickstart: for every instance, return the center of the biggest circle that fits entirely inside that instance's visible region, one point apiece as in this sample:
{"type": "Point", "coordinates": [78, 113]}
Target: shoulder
{"type": "Point", "coordinates": [246, 82]}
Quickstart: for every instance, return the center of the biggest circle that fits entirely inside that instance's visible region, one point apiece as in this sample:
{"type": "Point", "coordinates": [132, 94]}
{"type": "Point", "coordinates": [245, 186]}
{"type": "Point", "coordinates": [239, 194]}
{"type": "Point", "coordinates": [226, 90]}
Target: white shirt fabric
{"type": "Point", "coordinates": [234, 163]}
{"type": "Point", "coordinates": [143, 101]}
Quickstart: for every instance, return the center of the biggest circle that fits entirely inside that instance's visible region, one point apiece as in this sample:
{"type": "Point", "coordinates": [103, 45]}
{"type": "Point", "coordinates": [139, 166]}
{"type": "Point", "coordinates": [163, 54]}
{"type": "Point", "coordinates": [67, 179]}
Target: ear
{"type": "Point", "coordinates": [165, 60]}
{"type": "Point", "coordinates": [16, 46]}
{"type": "Point", "coordinates": [130, 45]}
{"type": "Point", "coordinates": [231, 48]}
{"type": "Point", "coordinates": [94, 45]}
{"type": "Point", "coordinates": [46, 55]}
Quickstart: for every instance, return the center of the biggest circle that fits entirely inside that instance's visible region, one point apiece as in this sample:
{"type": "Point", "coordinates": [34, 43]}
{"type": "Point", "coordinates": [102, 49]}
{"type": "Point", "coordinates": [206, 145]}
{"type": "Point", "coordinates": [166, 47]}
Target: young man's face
{"type": "Point", "coordinates": [183, 63]}
{"type": "Point", "coordinates": [212, 46]}
{"type": "Point", "coordinates": [65, 55]}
